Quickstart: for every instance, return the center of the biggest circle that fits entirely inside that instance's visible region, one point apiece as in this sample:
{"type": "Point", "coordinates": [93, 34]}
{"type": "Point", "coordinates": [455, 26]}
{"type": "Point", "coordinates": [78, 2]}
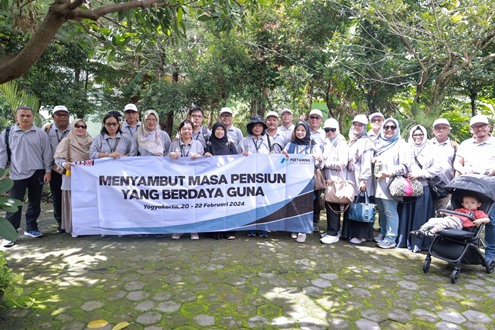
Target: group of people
{"type": "Point", "coordinates": [369, 159]}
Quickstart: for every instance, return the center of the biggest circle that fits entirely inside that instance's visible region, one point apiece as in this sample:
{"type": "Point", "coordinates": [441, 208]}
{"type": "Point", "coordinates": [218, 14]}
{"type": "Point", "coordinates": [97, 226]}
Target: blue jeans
{"type": "Point", "coordinates": [388, 218]}
{"type": "Point", "coordinates": [490, 236]}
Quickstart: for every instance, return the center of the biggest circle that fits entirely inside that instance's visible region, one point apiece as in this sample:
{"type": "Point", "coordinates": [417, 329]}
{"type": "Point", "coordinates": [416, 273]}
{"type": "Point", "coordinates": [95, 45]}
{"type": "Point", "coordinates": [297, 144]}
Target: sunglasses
{"type": "Point", "coordinates": [111, 124]}
{"type": "Point", "coordinates": [314, 117]}
{"type": "Point", "coordinates": [80, 126]}
{"type": "Point", "coordinates": [389, 127]}
{"type": "Point", "coordinates": [328, 129]}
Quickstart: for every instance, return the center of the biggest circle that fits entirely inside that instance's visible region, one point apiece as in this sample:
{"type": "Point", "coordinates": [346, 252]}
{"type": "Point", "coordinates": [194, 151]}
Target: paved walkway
{"type": "Point", "coordinates": [247, 283]}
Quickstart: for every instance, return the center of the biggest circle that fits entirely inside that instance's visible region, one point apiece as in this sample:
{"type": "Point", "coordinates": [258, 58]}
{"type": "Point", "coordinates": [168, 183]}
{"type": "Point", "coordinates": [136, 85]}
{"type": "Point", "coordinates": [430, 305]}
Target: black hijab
{"type": "Point", "coordinates": [219, 146]}
{"type": "Point", "coordinates": [304, 141]}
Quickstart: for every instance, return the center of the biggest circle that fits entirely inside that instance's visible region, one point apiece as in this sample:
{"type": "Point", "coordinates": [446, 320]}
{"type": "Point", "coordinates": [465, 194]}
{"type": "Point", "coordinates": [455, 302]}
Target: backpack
{"type": "Point", "coordinates": [7, 144]}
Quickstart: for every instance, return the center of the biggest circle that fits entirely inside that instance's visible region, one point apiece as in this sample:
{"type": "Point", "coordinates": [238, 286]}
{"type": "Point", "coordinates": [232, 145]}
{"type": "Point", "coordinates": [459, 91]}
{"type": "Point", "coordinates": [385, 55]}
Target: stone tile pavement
{"type": "Point", "coordinates": [248, 283]}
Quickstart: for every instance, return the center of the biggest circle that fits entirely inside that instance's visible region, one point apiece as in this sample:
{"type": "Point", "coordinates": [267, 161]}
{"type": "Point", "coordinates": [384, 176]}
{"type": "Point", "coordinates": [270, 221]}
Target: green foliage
{"type": "Point", "coordinates": [16, 98]}
{"type": "Point", "coordinates": [9, 286]}
{"type": "Point", "coordinates": [7, 204]}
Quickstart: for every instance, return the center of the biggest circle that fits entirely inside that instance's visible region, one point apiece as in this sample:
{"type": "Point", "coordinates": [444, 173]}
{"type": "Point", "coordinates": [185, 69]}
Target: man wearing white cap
{"type": "Point", "coordinates": [315, 120]}
{"type": "Point", "coordinates": [477, 155]}
{"type": "Point", "coordinates": [56, 132]}
{"type": "Point", "coordinates": [131, 122]}
{"type": "Point", "coordinates": [376, 121]}
{"type": "Point", "coordinates": [233, 133]}
{"type": "Point", "coordinates": [444, 150]}
{"type": "Point", "coordinates": [287, 126]}
{"type": "Point", "coordinates": [279, 138]}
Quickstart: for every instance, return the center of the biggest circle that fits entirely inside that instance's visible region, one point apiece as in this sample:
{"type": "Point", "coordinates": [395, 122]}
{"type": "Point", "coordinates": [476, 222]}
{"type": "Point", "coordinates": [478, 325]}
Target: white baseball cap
{"type": "Point", "coordinates": [331, 123]}
{"type": "Point", "coordinates": [316, 112]}
{"type": "Point", "coordinates": [286, 110]}
{"type": "Point", "coordinates": [60, 108]}
{"type": "Point", "coordinates": [376, 114]}
{"type": "Point", "coordinates": [130, 107]}
{"type": "Point", "coordinates": [441, 121]}
{"type": "Point", "coordinates": [225, 110]}
{"type": "Point", "coordinates": [271, 114]}
{"type": "Point", "coordinates": [360, 119]}
{"type": "Point", "coordinates": [479, 119]}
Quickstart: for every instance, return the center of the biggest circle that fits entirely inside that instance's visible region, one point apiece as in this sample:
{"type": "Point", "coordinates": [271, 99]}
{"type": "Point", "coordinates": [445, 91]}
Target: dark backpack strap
{"type": "Point", "coordinates": [7, 144]}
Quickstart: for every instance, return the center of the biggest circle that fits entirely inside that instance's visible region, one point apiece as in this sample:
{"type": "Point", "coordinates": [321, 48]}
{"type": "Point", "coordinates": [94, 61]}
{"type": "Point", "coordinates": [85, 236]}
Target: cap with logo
{"type": "Point", "coordinates": [130, 107]}
{"type": "Point", "coordinates": [60, 108]}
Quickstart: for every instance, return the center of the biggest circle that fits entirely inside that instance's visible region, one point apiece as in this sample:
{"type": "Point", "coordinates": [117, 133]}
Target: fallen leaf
{"type": "Point", "coordinates": [97, 324]}
{"type": "Point", "coordinates": [121, 325]}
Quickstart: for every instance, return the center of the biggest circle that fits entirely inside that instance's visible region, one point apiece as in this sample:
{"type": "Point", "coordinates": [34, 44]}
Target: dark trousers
{"type": "Point", "coordinates": [55, 185]}
{"type": "Point", "coordinates": [333, 219]}
{"type": "Point", "coordinates": [316, 207]}
{"type": "Point", "coordinates": [34, 186]}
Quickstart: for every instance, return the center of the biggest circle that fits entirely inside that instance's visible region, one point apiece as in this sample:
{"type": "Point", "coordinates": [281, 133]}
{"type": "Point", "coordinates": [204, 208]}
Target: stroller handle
{"type": "Point", "coordinates": [469, 215]}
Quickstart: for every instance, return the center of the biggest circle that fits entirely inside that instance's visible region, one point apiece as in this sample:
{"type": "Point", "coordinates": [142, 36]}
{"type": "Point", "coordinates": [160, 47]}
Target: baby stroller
{"type": "Point", "coordinates": [461, 246]}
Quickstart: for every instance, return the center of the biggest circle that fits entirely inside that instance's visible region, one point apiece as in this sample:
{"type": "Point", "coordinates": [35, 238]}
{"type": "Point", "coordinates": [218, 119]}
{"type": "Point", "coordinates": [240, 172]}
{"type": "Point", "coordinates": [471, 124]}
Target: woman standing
{"type": "Point", "coordinates": [301, 143]}
{"type": "Point", "coordinates": [335, 157]}
{"type": "Point", "coordinates": [393, 156]}
{"type": "Point", "coordinates": [185, 146]}
{"type": "Point", "coordinates": [73, 148]}
{"type": "Point", "coordinates": [219, 144]}
{"type": "Point", "coordinates": [361, 151]}
{"type": "Point", "coordinates": [150, 139]}
{"type": "Point", "coordinates": [110, 142]}
{"type": "Point", "coordinates": [413, 215]}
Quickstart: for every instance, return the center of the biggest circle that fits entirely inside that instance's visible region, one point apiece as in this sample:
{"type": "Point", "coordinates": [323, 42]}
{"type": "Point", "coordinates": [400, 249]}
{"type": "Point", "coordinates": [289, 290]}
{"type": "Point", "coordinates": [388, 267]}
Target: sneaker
{"type": "Point", "coordinates": [316, 229]}
{"type": "Point", "coordinates": [386, 244]}
{"type": "Point", "coordinates": [8, 244]}
{"type": "Point", "coordinates": [323, 235]}
{"type": "Point", "coordinates": [60, 230]}
{"type": "Point", "coordinates": [356, 240]}
{"type": "Point", "coordinates": [329, 239]}
{"type": "Point", "coordinates": [231, 237]}
{"type": "Point", "coordinates": [417, 233]}
{"type": "Point", "coordinates": [263, 235]}
{"type": "Point", "coordinates": [251, 234]}
{"type": "Point", "coordinates": [301, 238]}
{"type": "Point", "coordinates": [33, 233]}
{"type": "Point", "coordinates": [176, 236]}
{"type": "Point", "coordinates": [379, 238]}
{"type": "Point", "coordinates": [293, 235]}
{"type": "Point", "coordinates": [194, 236]}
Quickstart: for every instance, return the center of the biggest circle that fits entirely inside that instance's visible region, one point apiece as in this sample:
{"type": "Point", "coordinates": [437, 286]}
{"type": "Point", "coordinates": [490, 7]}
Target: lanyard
{"type": "Point", "coordinates": [116, 143]}
{"type": "Point", "coordinates": [182, 150]}
{"type": "Point", "coordinates": [58, 137]}
{"type": "Point", "coordinates": [256, 145]}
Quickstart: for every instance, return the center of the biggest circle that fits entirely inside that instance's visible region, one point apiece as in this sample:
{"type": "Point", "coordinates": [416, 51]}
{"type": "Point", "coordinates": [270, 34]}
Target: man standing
{"type": "Point", "coordinates": [131, 122]}
{"type": "Point", "coordinates": [279, 138]}
{"type": "Point", "coordinates": [287, 126]}
{"type": "Point", "coordinates": [444, 150]}
{"type": "Point", "coordinates": [30, 167]}
{"type": "Point", "coordinates": [318, 136]}
{"type": "Point", "coordinates": [376, 121]}
{"type": "Point", "coordinates": [56, 132]}
{"type": "Point", "coordinates": [200, 133]}
{"type": "Point", "coordinates": [233, 133]}
{"type": "Point", "coordinates": [477, 155]}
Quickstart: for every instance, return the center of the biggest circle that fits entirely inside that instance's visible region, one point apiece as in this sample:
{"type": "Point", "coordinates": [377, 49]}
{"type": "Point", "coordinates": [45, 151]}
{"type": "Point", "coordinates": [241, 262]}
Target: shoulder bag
{"type": "Point", "coordinates": [362, 212]}
{"type": "Point", "coordinates": [400, 186]}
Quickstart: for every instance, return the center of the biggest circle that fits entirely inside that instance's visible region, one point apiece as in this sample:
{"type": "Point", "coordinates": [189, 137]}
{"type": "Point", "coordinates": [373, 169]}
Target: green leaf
{"type": "Point", "coordinates": [9, 204]}
{"type": "Point", "coordinates": [7, 231]}
{"type": "Point", "coordinates": [6, 185]}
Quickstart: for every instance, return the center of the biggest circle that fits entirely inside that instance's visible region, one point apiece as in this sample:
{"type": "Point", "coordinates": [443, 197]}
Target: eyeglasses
{"type": "Point", "coordinates": [314, 117]}
{"type": "Point", "coordinates": [62, 114]}
{"type": "Point", "coordinates": [376, 120]}
{"type": "Point", "coordinates": [328, 129]}
{"type": "Point", "coordinates": [479, 126]}
{"type": "Point", "coordinates": [80, 126]}
{"type": "Point", "coordinates": [389, 127]}
{"type": "Point", "coordinates": [111, 124]}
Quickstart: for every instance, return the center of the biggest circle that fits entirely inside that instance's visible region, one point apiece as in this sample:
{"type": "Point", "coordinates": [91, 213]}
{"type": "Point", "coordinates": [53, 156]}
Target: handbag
{"type": "Point", "coordinates": [339, 191]}
{"type": "Point", "coordinates": [437, 188]}
{"type": "Point", "coordinates": [320, 183]}
{"type": "Point", "coordinates": [400, 186]}
{"type": "Point", "coordinates": [362, 212]}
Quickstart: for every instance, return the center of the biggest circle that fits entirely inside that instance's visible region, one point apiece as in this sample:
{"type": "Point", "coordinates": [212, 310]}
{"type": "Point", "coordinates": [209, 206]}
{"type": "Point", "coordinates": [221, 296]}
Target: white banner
{"type": "Point", "coordinates": [153, 195]}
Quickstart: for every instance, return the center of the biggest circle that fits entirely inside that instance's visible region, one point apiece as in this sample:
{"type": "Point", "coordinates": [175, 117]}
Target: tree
{"type": "Point", "coordinates": [167, 14]}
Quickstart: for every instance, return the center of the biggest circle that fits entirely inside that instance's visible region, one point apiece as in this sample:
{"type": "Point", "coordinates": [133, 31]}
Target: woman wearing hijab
{"type": "Point", "coordinates": [151, 140]}
{"type": "Point", "coordinates": [335, 159]}
{"type": "Point", "coordinates": [413, 215]}
{"type": "Point", "coordinates": [394, 156]}
{"type": "Point", "coordinates": [361, 151]}
{"type": "Point", "coordinates": [301, 143]}
{"type": "Point", "coordinates": [219, 144]}
{"type": "Point", "coordinates": [73, 148]}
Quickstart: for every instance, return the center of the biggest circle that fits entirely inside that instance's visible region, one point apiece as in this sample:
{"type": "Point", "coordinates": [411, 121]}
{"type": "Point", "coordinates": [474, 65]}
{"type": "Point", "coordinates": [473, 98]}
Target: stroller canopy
{"type": "Point", "coordinates": [478, 184]}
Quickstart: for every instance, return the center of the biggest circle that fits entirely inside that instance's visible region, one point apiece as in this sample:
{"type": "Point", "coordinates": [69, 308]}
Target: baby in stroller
{"type": "Point", "coordinates": [470, 207]}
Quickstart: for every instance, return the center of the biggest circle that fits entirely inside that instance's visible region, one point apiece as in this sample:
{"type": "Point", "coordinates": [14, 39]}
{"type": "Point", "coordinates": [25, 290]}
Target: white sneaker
{"type": "Point", "coordinates": [356, 240]}
{"type": "Point", "coordinates": [301, 238]}
{"type": "Point", "coordinates": [7, 243]}
{"type": "Point", "coordinates": [329, 239]}
{"type": "Point", "coordinates": [194, 236]}
{"type": "Point", "coordinates": [176, 236]}
{"type": "Point", "coordinates": [323, 235]}
{"type": "Point", "coordinates": [293, 235]}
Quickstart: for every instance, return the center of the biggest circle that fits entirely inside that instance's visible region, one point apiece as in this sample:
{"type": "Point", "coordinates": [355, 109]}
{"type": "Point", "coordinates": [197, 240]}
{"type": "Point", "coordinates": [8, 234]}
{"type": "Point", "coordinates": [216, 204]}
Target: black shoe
{"type": "Point", "coordinates": [316, 229]}
{"type": "Point", "coordinates": [417, 233]}
{"type": "Point", "coordinates": [61, 231]}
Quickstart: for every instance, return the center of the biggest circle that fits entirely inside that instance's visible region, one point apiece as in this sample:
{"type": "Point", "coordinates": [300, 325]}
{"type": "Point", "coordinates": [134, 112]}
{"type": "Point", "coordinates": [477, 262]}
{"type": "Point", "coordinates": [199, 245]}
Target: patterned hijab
{"type": "Point", "coordinates": [151, 140]}
{"type": "Point", "coordinates": [382, 143]}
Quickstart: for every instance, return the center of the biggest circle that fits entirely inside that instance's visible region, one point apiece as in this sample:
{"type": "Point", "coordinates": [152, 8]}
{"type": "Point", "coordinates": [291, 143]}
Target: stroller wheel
{"type": "Point", "coordinates": [426, 265]}
{"type": "Point", "coordinates": [490, 266]}
{"type": "Point", "coordinates": [455, 275]}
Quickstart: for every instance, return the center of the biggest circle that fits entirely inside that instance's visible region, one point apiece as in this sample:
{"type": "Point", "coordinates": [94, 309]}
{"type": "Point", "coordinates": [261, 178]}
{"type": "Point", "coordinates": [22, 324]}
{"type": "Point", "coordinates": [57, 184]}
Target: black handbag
{"type": "Point", "coordinates": [437, 188]}
{"type": "Point", "coordinates": [362, 212]}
